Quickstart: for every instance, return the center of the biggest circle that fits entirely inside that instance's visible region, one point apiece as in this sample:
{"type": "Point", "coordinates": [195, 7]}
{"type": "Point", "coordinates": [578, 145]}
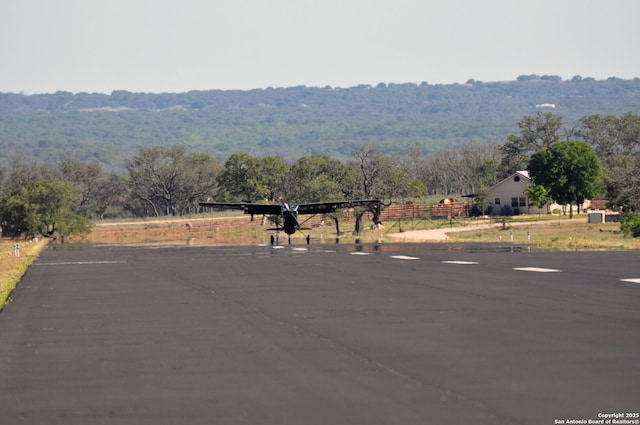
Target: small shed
{"type": "Point", "coordinates": [449, 208]}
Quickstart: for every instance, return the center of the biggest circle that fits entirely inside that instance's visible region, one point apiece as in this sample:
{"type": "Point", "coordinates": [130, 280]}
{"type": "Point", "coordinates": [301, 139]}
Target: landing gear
{"type": "Point", "coordinates": [275, 239]}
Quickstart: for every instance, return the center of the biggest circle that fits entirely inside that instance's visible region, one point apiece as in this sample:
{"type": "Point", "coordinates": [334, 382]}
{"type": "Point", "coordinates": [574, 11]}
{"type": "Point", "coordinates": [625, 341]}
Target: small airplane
{"type": "Point", "coordinates": [290, 211]}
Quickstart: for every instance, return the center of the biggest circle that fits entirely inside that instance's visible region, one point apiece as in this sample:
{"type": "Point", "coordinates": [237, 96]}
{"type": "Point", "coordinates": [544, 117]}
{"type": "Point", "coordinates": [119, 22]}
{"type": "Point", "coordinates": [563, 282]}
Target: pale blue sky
{"type": "Point", "coordinates": [181, 45]}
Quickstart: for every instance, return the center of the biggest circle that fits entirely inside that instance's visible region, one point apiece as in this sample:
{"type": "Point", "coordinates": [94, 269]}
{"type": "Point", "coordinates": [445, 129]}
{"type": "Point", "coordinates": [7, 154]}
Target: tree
{"type": "Point", "coordinates": [42, 207]}
{"type": "Point", "coordinates": [85, 178]}
{"type": "Point", "coordinates": [536, 133]}
{"type": "Point", "coordinates": [616, 140]}
{"type": "Point", "coordinates": [152, 178]}
{"type": "Point", "coordinates": [112, 194]}
{"type": "Point", "coordinates": [242, 179]}
{"type": "Point", "coordinates": [23, 172]}
{"type": "Point", "coordinates": [571, 171]}
{"type": "Point", "coordinates": [273, 170]}
{"type": "Point", "coordinates": [438, 172]}
{"type": "Point", "coordinates": [168, 181]}
{"type": "Point", "coordinates": [630, 226]}
{"type": "Point", "coordinates": [198, 180]}
{"type": "Point", "coordinates": [538, 195]}
{"type": "Point", "coordinates": [380, 176]}
{"type": "Point", "coordinates": [316, 178]}
{"type": "Point", "coordinates": [478, 166]}
{"type": "Point", "coordinates": [471, 168]}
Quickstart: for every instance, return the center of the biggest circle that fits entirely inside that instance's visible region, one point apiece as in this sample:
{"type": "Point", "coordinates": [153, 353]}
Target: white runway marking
{"type": "Point", "coordinates": [75, 263]}
{"type": "Point", "coordinates": [404, 257]}
{"type": "Point", "coordinates": [636, 280]}
{"type": "Point", "coordinates": [360, 253]}
{"type": "Point", "coordinates": [536, 269]}
{"type": "Point", "coordinates": [460, 262]}
{"type": "Point", "coordinates": [300, 249]}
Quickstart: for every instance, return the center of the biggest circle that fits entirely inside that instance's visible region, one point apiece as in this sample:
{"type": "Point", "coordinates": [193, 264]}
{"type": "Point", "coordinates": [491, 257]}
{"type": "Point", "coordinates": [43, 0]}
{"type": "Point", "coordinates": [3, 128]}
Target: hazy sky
{"type": "Point", "coordinates": [181, 45]}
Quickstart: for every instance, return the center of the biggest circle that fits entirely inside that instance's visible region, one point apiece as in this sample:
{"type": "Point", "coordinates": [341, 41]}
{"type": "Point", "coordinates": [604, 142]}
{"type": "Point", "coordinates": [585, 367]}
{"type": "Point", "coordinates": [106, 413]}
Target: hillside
{"type": "Point", "coordinates": [296, 121]}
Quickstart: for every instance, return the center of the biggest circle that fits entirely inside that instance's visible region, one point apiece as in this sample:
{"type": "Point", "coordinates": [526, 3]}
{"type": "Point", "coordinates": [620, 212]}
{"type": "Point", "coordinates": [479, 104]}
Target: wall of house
{"type": "Point", "coordinates": [512, 193]}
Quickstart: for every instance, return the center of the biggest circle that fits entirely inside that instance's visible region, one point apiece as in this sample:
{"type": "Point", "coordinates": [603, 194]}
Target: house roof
{"type": "Point", "coordinates": [522, 173]}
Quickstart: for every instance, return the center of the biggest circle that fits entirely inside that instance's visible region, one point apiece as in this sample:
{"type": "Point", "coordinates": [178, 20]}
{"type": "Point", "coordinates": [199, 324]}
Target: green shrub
{"type": "Point", "coordinates": [630, 225]}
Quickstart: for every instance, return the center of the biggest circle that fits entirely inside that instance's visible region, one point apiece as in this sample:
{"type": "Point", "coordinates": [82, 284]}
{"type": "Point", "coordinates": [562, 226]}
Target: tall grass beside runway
{"type": "Point", "coordinates": [12, 268]}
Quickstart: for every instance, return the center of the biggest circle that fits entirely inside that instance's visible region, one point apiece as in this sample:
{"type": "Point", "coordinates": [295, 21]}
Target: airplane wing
{"type": "Point", "coordinates": [307, 208]}
{"type": "Point", "coordinates": [329, 207]}
{"type": "Point", "coordinates": [248, 208]}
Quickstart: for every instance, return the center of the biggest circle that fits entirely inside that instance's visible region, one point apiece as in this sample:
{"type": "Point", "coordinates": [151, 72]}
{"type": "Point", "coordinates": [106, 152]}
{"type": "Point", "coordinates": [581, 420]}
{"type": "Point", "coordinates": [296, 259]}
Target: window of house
{"type": "Point", "coordinates": [523, 202]}
{"type": "Point", "coordinates": [514, 202]}
{"type": "Point", "coordinates": [496, 201]}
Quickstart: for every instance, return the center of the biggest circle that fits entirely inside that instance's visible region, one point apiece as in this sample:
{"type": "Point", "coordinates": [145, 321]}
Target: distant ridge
{"type": "Point", "coordinates": [295, 121]}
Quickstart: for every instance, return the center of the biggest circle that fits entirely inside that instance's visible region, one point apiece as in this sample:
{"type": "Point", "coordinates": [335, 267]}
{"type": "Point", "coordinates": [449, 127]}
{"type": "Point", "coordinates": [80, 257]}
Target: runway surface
{"type": "Point", "coordinates": [331, 334]}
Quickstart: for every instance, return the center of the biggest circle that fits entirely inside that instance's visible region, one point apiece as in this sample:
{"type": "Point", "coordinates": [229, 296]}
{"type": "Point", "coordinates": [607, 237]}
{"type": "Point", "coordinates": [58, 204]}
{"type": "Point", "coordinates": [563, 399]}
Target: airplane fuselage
{"type": "Point", "coordinates": [290, 224]}
{"type": "Point", "coordinates": [290, 219]}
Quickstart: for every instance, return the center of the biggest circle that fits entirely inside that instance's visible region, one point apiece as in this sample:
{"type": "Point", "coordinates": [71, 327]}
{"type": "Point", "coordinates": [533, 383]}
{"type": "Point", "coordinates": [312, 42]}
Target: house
{"type": "Point", "coordinates": [509, 197]}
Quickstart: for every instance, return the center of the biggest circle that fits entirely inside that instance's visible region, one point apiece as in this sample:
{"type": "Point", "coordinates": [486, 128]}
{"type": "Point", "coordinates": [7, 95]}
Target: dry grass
{"type": "Point", "coordinates": [210, 231]}
{"type": "Point", "coordinates": [11, 268]}
{"type": "Point", "coordinates": [195, 231]}
{"type": "Point", "coordinates": [571, 234]}
{"type": "Point", "coordinates": [545, 232]}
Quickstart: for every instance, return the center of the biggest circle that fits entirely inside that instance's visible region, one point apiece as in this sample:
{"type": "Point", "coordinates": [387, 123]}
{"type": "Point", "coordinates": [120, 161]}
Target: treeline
{"type": "Point", "coordinates": [294, 122]}
{"type": "Point", "coordinates": [162, 181]}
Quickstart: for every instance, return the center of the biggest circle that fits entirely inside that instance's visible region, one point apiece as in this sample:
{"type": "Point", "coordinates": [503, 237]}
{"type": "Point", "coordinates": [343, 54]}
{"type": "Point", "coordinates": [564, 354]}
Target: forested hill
{"type": "Point", "coordinates": [297, 121]}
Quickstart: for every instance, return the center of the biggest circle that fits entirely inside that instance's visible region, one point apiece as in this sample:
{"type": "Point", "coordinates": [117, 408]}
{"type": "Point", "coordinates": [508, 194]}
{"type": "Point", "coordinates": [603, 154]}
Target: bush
{"type": "Point", "coordinates": [630, 225]}
{"type": "Point", "coordinates": [506, 210]}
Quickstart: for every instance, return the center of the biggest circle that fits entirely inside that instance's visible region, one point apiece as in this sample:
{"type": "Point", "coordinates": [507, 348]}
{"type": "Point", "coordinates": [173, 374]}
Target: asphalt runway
{"type": "Point", "coordinates": [331, 334]}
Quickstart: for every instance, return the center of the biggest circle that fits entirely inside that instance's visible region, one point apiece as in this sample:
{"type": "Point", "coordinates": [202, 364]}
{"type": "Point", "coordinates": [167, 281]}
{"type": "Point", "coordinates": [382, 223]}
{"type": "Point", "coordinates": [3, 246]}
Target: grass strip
{"type": "Point", "coordinates": [12, 268]}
